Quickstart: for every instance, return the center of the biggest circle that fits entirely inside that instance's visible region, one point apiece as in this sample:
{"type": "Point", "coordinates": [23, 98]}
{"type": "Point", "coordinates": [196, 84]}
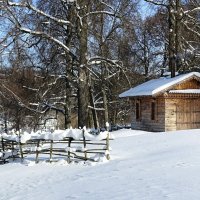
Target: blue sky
{"type": "Point", "coordinates": [146, 9]}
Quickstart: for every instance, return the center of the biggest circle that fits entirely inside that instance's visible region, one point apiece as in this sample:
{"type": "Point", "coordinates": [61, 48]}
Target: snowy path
{"type": "Point", "coordinates": [144, 166]}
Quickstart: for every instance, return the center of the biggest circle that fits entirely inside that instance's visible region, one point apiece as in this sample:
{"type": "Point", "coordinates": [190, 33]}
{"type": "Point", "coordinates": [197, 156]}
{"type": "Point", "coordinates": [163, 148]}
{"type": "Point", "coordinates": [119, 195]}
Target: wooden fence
{"type": "Point", "coordinates": [52, 150]}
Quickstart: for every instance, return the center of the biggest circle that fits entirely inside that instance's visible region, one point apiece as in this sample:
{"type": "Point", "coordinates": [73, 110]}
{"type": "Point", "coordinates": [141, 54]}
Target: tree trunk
{"type": "Point", "coordinates": [83, 89]}
{"type": "Point", "coordinates": [171, 46]}
{"type": "Point", "coordinates": [178, 35]}
{"type": "Point", "coordinates": [69, 66]}
{"type": "Point", "coordinates": [83, 112]}
{"type": "Point", "coordinates": [5, 123]}
{"type": "Point", "coordinates": [67, 116]}
{"type": "Point", "coordinates": [105, 103]}
{"type": "Point", "coordinates": [67, 107]}
{"type": "Point", "coordinates": [146, 64]}
{"type": "Point", "coordinates": [94, 113]}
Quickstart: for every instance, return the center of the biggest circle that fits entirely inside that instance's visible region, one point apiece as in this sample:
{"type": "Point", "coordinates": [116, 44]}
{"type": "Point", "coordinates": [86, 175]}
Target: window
{"type": "Point", "coordinates": [138, 111]}
{"type": "Point", "coordinates": [153, 110]}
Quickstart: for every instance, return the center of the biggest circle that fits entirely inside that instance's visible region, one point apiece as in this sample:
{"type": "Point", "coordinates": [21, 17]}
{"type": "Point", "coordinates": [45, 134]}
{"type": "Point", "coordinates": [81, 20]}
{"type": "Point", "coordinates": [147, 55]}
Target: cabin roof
{"type": "Point", "coordinates": [155, 86]}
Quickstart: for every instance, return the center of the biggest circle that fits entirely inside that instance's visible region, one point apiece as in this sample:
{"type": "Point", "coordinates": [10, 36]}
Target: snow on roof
{"type": "Point", "coordinates": [187, 91]}
{"type": "Point", "coordinates": [155, 86]}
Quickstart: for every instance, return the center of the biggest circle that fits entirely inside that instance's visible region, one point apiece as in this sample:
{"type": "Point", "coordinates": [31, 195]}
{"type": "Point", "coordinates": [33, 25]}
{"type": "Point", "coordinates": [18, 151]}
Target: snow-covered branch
{"type": "Point", "coordinates": [20, 102]}
{"type": "Point", "coordinates": [31, 7]}
{"type": "Point", "coordinates": [95, 108]}
{"type": "Point", "coordinates": [117, 63]}
{"type": "Point", "coordinates": [192, 10]}
{"type": "Point", "coordinates": [45, 35]}
{"type": "Point", "coordinates": [29, 88]}
{"type": "Point", "coordinates": [191, 30]}
{"type": "Point", "coordinates": [109, 6]}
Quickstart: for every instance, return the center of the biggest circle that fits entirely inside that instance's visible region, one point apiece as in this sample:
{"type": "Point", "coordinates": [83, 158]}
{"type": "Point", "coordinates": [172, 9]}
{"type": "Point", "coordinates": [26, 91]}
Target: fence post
{"type": "Point", "coordinates": [107, 142]}
{"type": "Point", "coordinates": [84, 143]}
{"type": "Point", "coordinates": [13, 156]}
{"type": "Point", "coordinates": [107, 147]}
{"type": "Point", "coordinates": [21, 151]}
{"type": "Point", "coordinates": [51, 151]}
{"type": "Point", "coordinates": [20, 147]}
{"type": "Point", "coordinates": [37, 151]}
{"type": "Point", "coordinates": [3, 149]}
{"type": "Point", "coordinates": [68, 152]}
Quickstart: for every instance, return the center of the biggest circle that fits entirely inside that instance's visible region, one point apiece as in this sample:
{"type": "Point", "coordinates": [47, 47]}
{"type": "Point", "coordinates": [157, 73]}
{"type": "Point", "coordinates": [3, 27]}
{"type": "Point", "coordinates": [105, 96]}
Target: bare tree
{"type": "Point", "coordinates": [181, 20]}
{"type": "Point", "coordinates": [65, 26]}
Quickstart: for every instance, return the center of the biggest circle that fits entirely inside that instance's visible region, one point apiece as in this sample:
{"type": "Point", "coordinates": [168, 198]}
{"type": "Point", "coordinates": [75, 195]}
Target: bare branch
{"type": "Point", "coordinates": [102, 12]}
{"type": "Point", "coordinates": [156, 3]}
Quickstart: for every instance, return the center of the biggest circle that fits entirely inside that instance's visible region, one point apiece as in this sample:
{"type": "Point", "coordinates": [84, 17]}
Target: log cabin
{"type": "Point", "coordinates": [166, 104]}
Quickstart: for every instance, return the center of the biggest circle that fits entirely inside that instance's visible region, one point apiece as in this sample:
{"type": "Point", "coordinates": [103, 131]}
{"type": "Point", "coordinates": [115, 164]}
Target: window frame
{"type": "Point", "coordinates": [138, 114]}
{"type": "Point", "coordinates": [153, 110]}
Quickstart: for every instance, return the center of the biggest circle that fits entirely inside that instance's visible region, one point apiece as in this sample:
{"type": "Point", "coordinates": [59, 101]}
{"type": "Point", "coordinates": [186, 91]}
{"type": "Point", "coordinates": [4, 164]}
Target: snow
{"type": "Point", "coordinates": [70, 1]}
{"type": "Point", "coordinates": [169, 73]}
{"type": "Point", "coordinates": [95, 62]}
{"type": "Point", "coordinates": [155, 86]}
{"type": "Point", "coordinates": [143, 166]}
{"type": "Point", "coordinates": [187, 91]}
{"type": "Point", "coordinates": [76, 134]}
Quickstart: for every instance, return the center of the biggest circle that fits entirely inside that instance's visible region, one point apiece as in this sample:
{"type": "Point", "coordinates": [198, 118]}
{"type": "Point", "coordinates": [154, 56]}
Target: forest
{"type": "Point", "coordinates": [67, 61]}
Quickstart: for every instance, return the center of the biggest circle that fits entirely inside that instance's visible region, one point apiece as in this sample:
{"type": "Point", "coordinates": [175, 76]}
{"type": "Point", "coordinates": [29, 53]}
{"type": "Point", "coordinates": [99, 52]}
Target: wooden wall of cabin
{"type": "Point", "coordinates": [170, 114]}
{"type": "Point", "coordinates": [188, 84]}
{"type": "Point", "coordinates": [145, 122]}
{"type": "Point", "coordinates": [175, 112]}
{"type": "Point", "coordinates": [182, 112]}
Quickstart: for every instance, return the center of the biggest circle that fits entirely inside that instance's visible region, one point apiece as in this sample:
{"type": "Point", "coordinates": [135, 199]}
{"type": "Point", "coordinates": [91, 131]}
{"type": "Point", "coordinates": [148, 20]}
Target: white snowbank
{"type": "Point", "coordinates": [76, 134]}
{"type": "Point", "coordinates": [143, 166]}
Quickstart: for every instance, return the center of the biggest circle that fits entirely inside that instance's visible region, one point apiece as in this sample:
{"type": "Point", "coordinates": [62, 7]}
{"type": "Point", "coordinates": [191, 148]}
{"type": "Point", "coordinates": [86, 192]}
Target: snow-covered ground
{"type": "Point", "coordinates": [143, 166]}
